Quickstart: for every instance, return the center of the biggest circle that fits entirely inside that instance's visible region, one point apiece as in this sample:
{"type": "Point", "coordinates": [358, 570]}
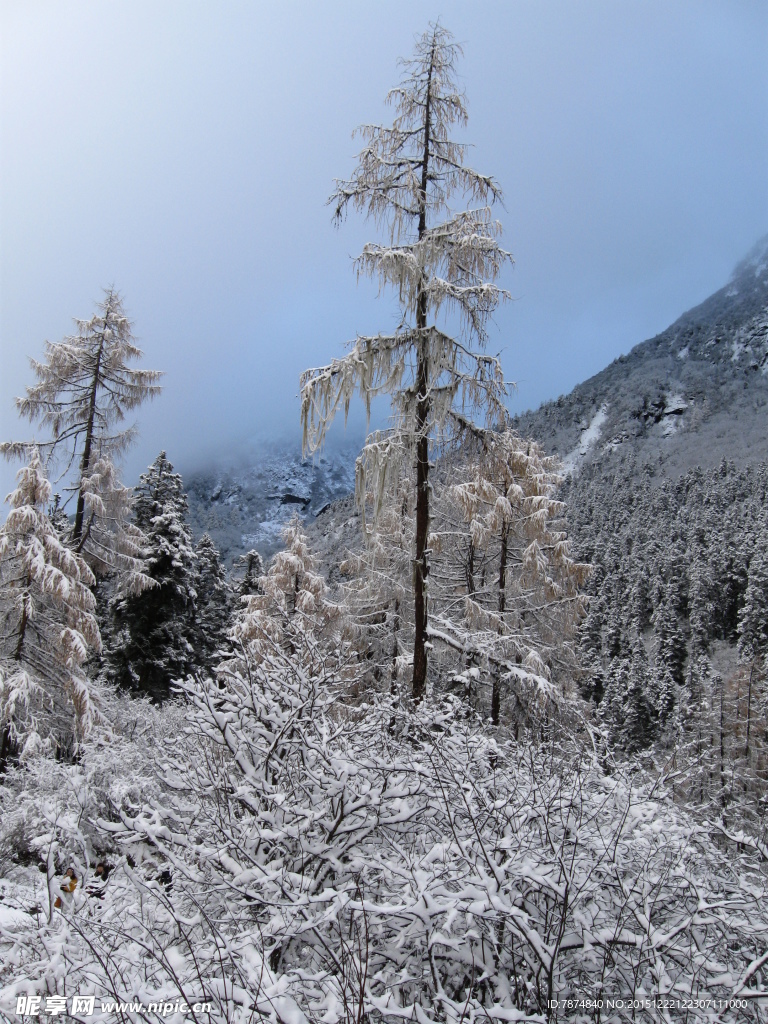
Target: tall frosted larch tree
{"type": "Point", "coordinates": [440, 261]}
{"type": "Point", "coordinates": [85, 388]}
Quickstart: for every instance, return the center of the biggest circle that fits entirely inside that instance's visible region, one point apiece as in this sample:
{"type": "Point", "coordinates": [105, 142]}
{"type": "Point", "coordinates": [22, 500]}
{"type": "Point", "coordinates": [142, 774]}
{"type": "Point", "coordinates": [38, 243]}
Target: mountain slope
{"type": "Point", "coordinates": [693, 394]}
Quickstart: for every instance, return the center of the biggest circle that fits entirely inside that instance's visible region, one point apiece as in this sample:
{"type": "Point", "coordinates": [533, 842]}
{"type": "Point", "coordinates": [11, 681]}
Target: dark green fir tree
{"type": "Point", "coordinates": [153, 632]}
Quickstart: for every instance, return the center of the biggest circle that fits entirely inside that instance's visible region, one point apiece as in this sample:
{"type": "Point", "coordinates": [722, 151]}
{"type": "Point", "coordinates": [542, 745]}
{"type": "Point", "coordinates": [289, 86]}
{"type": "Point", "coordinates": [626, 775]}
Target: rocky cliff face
{"type": "Point", "coordinates": [246, 506]}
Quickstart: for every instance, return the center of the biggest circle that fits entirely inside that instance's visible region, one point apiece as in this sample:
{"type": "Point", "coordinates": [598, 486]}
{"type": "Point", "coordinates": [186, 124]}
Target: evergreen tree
{"type": "Point", "coordinates": [592, 676]}
{"type": "Point", "coordinates": [615, 634]}
{"type": "Point", "coordinates": [289, 613]}
{"type": "Point", "coordinates": [529, 613]}
{"type": "Point", "coordinates": [48, 627]}
{"type": "Point", "coordinates": [670, 641]}
{"type": "Point", "coordinates": [406, 177]}
{"type": "Point", "coordinates": [700, 605]}
{"type": "Point", "coordinates": [251, 566]}
{"type": "Point", "coordinates": [620, 715]}
{"type": "Point", "coordinates": [628, 703]}
{"type": "Point", "coordinates": [213, 603]}
{"type": "Point", "coordinates": [152, 633]}
{"type": "Point", "coordinates": [753, 618]}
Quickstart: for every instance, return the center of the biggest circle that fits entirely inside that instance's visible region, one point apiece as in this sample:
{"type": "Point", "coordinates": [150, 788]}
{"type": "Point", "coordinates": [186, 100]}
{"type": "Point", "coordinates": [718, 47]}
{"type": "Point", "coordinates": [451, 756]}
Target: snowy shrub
{"type": "Point", "coordinates": [306, 861]}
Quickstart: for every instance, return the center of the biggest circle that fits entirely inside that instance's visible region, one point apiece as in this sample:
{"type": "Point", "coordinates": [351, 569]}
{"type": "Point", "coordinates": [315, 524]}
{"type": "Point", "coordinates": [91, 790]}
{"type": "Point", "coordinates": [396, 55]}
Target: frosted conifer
{"type": "Point", "coordinates": [251, 566]}
{"type": "Point", "coordinates": [288, 612]}
{"type": "Point", "coordinates": [440, 261]}
{"type": "Point", "coordinates": [85, 388]}
{"type": "Point", "coordinates": [152, 637]}
{"type": "Point", "coordinates": [531, 602]}
{"type": "Point", "coordinates": [212, 603]}
{"type": "Point", "coordinates": [753, 618]}
{"type": "Point", "coordinates": [48, 627]}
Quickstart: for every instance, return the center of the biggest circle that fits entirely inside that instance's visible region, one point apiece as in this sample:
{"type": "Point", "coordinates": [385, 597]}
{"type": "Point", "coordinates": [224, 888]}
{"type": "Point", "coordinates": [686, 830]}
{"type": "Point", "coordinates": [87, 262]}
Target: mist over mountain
{"type": "Point", "coordinates": [247, 503]}
{"type": "Point", "coordinates": [691, 396]}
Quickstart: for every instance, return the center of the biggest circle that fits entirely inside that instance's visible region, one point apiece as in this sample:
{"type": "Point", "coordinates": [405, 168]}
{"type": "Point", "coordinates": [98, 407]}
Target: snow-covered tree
{"type": "Point", "coordinates": [247, 570]}
{"type": "Point", "coordinates": [48, 627]}
{"type": "Point", "coordinates": [439, 260]}
{"type": "Point", "coordinates": [213, 604]}
{"type": "Point", "coordinates": [753, 617]}
{"type": "Point", "coordinates": [289, 612]}
{"type": "Point", "coordinates": [152, 632]}
{"type": "Point", "coordinates": [85, 388]}
{"type": "Point", "coordinates": [527, 604]}
{"type": "Point", "coordinates": [377, 595]}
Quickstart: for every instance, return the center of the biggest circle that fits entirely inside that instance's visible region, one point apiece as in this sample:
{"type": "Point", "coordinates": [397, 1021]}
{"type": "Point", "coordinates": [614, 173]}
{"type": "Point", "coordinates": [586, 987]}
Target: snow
{"type": "Point", "coordinates": [247, 505]}
{"type": "Point", "coordinates": [675, 405]}
{"type": "Point", "coordinates": [683, 353]}
{"type": "Point", "coordinates": [11, 917]}
{"type": "Point", "coordinates": [589, 436]}
{"type": "Point", "coordinates": [670, 426]}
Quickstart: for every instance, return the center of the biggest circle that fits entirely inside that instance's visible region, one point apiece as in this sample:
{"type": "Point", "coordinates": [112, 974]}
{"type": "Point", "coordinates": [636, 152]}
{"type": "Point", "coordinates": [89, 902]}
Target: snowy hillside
{"type": "Point", "coordinates": [694, 394]}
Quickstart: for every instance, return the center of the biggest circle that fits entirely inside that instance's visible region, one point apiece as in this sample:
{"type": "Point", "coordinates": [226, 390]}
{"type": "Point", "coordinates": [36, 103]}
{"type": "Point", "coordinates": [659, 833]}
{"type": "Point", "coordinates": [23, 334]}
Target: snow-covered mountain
{"type": "Point", "coordinates": [694, 394]}
{"type": "Point", "coordinates": [246, 505]}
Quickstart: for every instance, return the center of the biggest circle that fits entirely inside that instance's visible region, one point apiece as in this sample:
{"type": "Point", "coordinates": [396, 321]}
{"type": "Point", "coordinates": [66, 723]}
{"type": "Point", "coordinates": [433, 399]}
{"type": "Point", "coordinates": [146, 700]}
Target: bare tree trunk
{"type": "Point", "coordinates": [395, 654]}
{"type": "Point", "coordinates": [7, 748]}
{"type": "Point", "coordinates": [23, 621]}
{"type": "Point", "coordinates": [749, 710]}
{"type": "Point", "coordinates": [469, 570]}
{"type": "Point", "coordinates": [496, 690]}
{"type": "Point", "coordinates": [722, 747]}
{"type": "Point", "coordinates": [85, 462]}
{"type": "Point", "coordinates": [420, 561]}
{"type": "Point", "coordinates": [395, 648]}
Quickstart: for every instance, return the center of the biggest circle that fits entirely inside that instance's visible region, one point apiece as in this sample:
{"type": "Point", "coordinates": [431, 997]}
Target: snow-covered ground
{"type": "Point", "coordinates": [589, 437]}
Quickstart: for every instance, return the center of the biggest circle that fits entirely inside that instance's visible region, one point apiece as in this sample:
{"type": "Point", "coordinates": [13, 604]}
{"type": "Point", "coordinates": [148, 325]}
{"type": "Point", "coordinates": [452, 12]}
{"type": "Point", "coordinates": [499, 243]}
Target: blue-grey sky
{"type": "Point", "coordinates": [184, 151]}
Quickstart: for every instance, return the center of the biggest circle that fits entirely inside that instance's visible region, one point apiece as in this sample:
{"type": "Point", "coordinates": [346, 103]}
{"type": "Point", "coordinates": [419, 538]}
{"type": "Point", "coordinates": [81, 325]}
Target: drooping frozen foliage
{"type": "Point", "coordinates": [48, 628]}
{"type": "Point", "coordinates": [440, 261]}
{"type": "Point", "coordinates": [288, 614]}
{"type": "Point", "coordinates": [521, 586]}
{"type": "Point", "coordinates": [85, 387]}
{"type": "Point", "coordinates": [505, 596]}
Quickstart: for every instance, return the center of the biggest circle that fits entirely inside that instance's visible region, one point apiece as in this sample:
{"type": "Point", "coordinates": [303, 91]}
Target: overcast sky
{"type": "Point", "coordinates": [184, 152]}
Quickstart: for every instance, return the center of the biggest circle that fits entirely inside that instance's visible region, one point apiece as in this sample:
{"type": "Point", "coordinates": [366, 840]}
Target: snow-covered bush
{"type": "Point", "coordinates": [309, 861]}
